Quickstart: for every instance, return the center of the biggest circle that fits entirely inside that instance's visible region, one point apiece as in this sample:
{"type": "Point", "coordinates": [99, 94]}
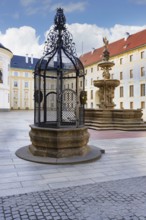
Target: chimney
{"type": "Point", "coordinates": [31, 58]}
{"type": "Point", "coordinates": [126, 36]}
{"type": "Point", "coordinates": [26, 58]}
{"type": "Point", "coordinates": [93, 49]}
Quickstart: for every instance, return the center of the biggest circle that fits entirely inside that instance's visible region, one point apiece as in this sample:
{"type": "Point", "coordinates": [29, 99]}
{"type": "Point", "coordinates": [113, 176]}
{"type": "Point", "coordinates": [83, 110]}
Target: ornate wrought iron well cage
{"type": "Point", "coordinates": [59, 95]}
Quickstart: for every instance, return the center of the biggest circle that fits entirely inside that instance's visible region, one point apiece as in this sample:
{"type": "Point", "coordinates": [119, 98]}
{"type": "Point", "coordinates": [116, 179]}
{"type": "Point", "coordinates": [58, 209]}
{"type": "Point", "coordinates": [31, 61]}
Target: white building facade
{"type": "Point", "coordinates": [5, 58]}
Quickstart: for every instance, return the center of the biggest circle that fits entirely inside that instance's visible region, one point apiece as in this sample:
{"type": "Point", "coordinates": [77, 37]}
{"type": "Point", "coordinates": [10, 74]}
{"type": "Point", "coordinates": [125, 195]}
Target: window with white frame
{"type": "Point", "coordinates": [131, 74]}
{"type": "Point", "coordinates": [142, 54]}
{"type": "Point", "coordinates": [91, 94]}
{"type": "Point", "coordinates": [142, 71]}
{"type": "Point", "coordinates": [26, 74]}
{"type": "Point", "coordinates": [26, 84]}
{"type": "Point", "coordinates": [15, 84]}
{"type": "Point", "coordinates": [121, 75]}
{"type": "Point", "coordinates": [131, 90]}
{"type": "Point", "coordinates": [121, 60]}
{"type": "Point", "coordinates": [121, 91]}
{"type": "Point", "coordinates": [16, 74]}
{"type": "Point", "coordinates": [142, 89]}
{"type": "Point", "coordinates": [131, 58]}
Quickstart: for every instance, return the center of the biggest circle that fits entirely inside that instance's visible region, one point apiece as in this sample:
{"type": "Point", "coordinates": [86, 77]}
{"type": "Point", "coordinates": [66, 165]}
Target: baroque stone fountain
{"type": "Point", "coordinates": [106, 117]}
{"type": "Point", "coordinates": [106, 85]}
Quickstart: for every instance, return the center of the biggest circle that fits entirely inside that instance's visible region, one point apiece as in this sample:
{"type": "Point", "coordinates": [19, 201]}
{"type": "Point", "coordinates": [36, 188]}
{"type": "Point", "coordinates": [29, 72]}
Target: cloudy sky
{"type": "Point", "coordinates": [24, 23]}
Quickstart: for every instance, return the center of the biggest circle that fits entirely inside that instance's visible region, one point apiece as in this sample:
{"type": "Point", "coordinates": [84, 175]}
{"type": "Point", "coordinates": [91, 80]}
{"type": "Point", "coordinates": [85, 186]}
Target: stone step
{"type": "Point", "coordinates": [117, 126]}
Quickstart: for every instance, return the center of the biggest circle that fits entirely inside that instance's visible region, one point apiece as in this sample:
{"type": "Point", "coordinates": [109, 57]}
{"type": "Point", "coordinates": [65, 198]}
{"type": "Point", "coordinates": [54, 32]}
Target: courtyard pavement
{"type": "Point", "coordinates": [112, 188]}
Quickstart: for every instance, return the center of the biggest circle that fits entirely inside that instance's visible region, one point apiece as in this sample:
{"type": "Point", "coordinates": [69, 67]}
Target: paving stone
{"type": "Point", "coordinates": [112, 200]}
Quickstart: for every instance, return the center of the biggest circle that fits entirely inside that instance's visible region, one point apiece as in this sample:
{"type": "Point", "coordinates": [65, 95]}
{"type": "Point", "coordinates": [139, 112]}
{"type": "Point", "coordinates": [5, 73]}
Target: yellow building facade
{"type": "Point", "coordinates": [21, 82]}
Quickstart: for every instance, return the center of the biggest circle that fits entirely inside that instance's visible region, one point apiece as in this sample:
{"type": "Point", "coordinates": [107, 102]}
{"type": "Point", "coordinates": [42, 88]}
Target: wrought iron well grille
{"type": "Point", "coordinates": [59, 80]}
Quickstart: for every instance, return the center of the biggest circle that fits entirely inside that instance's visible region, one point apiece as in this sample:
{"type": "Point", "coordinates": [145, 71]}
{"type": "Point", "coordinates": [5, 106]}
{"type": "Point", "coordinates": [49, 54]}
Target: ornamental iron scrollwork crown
{"type": "Point", "coordinates": [59, 36]}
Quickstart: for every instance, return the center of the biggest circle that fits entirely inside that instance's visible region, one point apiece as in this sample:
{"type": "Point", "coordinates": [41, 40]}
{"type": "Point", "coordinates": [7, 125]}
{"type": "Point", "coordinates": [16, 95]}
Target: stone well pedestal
{"type": "Point", "coordinates": [59, 146]}
{"type": "Point", "coordinates": [59, 143]}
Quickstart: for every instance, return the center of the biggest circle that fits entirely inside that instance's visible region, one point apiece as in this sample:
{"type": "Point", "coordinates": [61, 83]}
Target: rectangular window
{"type": "Point", "coordinates": [91, 104]}
{"type": "Point", "coordinates": [131, 105]}
{"type": "Point", "coordinates": [142, 72]}
{"type": "Point", "coordinates": [121, 75]}
{"type": "Point", "coordinates": [121, 105]}
{"type": "Point", "coordinates": [72, 85]}
{"type": "Point", "coordinates": [121, 91]}
{"type": "Point", "coordinates": [131, 74]}
{"type": "Point", "coordinates": [15, 84]}
{"type": "Point", "coordinates": [97, 68]}
{"type": "Point", "coordinates": [81, 83]}
{"type": "Point", "coordinates": [143, 105]}
{"type": "Point", "coordinates": [26, 84]}
{"type": "Point", "coordinates": [131, 90]}
{"type": "Point", "coordinates": [91, 70]}
{"type": "Point", "coordinates": [16, 74]}
{"type": "Point", "coordinates": [91, 94]}
{"type": "Point", "coordinates": [26, 74]}
{"type": "Point", "coordinates": [142, 89]}
{"type": "Point", "coordinates": [121, 60]}
{"type": "Point", "coordinates": [131, 58]}
{"type": "Point", "coordinates": [142, 54]}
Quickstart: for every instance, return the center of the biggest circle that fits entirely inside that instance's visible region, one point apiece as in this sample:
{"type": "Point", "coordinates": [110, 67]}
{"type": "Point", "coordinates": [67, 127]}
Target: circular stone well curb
{"type": "Point", "coordinates": [93, 154]}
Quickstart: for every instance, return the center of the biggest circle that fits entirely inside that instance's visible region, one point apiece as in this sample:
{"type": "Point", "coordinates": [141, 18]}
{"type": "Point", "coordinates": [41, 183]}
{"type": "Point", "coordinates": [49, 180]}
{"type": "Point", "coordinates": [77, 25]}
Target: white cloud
{"type": "Point", "coordinates": [24, 40]}
{"type": "Point", "coordinates": [88, 36]}
{"type": "Point", "coordinates": [21, 41]}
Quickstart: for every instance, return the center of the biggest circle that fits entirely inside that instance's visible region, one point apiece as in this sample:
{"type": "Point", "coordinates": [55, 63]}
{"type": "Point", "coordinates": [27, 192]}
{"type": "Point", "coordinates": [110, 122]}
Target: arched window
{"type": "Point", "coordinates": [1, 77]}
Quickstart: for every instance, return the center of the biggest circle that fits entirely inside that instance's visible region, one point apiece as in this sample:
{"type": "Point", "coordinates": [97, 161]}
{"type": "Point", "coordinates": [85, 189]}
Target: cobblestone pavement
{"type": "Point", "coordinates": [113, 200]}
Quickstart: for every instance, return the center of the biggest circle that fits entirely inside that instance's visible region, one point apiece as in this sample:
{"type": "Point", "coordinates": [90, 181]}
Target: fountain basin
{"type": "Point", "coordinates": [106, 64]}
{"type": "Point", "coordinates": [107, 82]}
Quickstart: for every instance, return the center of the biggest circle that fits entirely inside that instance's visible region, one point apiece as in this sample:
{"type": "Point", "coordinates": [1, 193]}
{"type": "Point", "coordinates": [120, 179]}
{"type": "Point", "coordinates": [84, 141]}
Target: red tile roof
{"type": "Point", "coordinates": [115, 48]}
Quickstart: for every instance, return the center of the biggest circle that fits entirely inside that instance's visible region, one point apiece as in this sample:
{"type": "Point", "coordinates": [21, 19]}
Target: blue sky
{"type": "Point", "coordinates": [39, 15]}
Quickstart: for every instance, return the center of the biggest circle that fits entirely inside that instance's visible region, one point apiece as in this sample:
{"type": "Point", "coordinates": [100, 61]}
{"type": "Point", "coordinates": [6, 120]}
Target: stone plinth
{"type": "Point", "coordinates": [59, 146]}
{"type": "Point", "coordinates": [62, 142]}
